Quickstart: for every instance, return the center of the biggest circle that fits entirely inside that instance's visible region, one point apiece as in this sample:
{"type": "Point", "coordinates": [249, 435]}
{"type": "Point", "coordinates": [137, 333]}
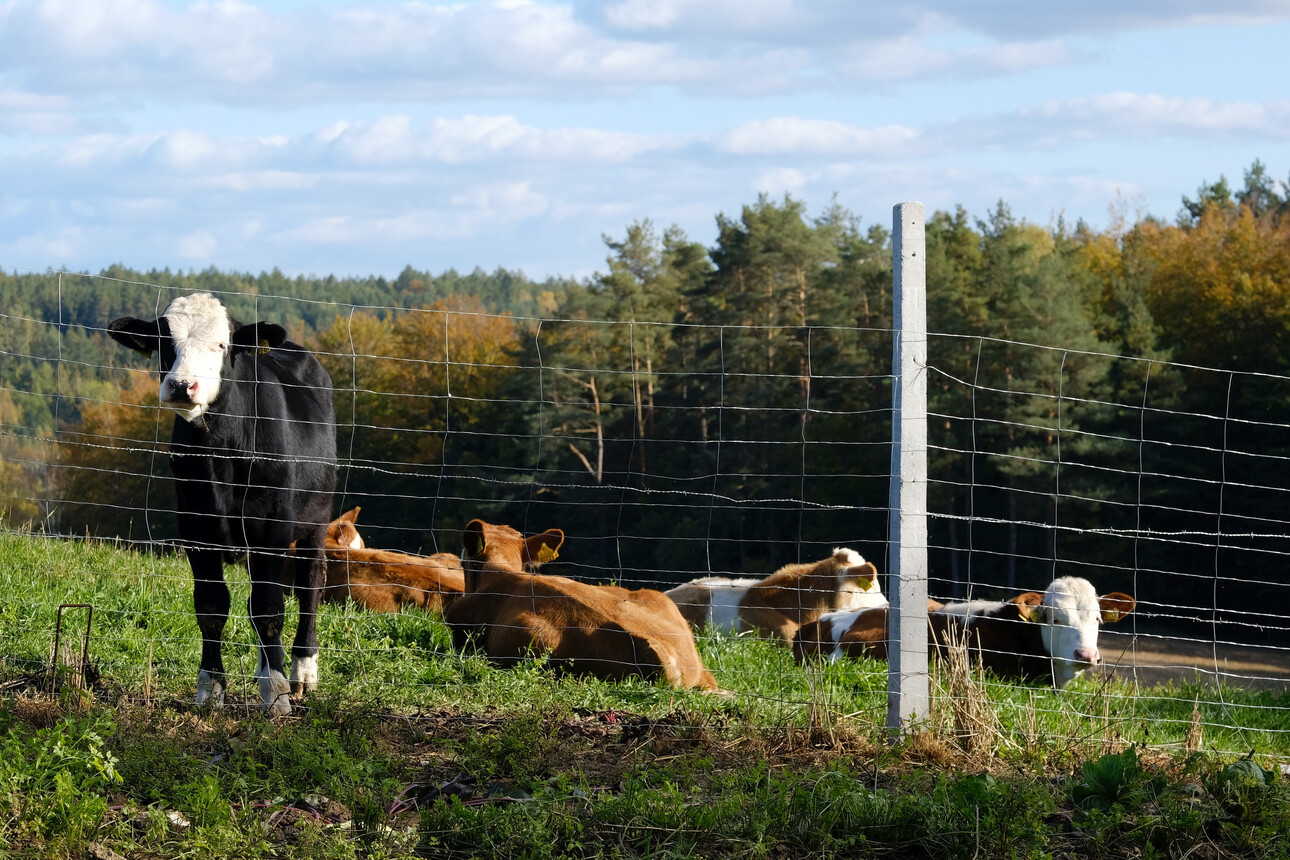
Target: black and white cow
{"type": "Point", "coordinates": [253, 453]}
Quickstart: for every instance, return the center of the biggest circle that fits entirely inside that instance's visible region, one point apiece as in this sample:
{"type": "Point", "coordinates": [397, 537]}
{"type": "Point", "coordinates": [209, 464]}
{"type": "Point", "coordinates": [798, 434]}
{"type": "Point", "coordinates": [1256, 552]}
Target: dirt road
{"type": "Point", "coordinates": [1155, 660]}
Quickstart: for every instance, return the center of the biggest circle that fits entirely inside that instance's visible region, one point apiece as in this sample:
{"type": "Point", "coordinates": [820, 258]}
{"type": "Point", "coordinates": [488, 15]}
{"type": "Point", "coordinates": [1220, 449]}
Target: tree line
{"type": "Point", "coordinates": [1109, 403]}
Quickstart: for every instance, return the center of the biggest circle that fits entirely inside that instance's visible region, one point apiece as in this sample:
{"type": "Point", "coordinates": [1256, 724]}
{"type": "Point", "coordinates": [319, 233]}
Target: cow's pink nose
{"type": "Point", "coordinates": [1088, 655]}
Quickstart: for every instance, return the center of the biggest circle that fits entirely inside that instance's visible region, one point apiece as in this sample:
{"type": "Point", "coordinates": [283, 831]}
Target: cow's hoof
{"type": "Point", "coordinates": [279, 707]}
{"type": "Point", "coordinates": [210, 691]}
{"type": "Point", "coordinates": [304, 675]}
{"type": "Point", "coordinates": [275, 692]}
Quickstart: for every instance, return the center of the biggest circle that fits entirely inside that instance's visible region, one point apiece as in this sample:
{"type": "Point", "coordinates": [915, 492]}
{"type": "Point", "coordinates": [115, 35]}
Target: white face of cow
{"type": "Point", "coordinates": [200, 330]}
{"type": "Point", "coordinates": [1071, 616]}
{"type": "Point", "coordinates": [857, 581]}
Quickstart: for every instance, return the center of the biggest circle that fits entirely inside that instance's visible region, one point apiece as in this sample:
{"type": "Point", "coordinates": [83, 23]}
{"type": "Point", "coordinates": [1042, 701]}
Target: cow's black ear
{"type": "Point", "coordinates": [138, 335]}
{"type": "Point", "coordinates": [261, 336]}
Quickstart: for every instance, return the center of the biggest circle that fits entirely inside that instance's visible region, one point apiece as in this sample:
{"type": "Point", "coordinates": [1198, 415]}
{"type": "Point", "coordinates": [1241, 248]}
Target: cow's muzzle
{"type": "Point", "coordinates": [180, 390]}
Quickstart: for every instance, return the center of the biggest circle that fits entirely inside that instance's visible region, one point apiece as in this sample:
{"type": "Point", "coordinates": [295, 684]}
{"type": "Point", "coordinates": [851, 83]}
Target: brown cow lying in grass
{"type": "Point", "coordinates": [1048, 637]}
{"type": "Point", "coordinates": [384, 581]}
{"type": "Point", "coordinates": [342, 533]}
{"type": "Point", "coordinates": [778, 605]}
{"type": "Point", "coordinates": [601, 630]}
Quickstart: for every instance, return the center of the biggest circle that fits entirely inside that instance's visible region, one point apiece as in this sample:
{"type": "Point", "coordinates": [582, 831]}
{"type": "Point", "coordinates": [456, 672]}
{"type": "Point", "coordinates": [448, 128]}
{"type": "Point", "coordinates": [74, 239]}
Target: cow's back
{"type": "Point", "coordinates": [794, 595]}
{"type": "Point", "coordinates": [607, 631]}
{"type": "Point", "coordinates": [999, 639]}
{"type": "Point", "coordinates": [654, 617]}
{"type": "Point", "coordinates": [711, 600]}
{"type": "Point", "coordinates": [385, 581]}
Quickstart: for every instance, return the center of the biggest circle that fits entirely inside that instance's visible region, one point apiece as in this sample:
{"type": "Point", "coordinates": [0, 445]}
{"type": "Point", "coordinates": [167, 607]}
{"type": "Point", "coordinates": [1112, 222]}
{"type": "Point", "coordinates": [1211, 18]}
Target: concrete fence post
{"type": "Point", "coordinates": [907, 680]}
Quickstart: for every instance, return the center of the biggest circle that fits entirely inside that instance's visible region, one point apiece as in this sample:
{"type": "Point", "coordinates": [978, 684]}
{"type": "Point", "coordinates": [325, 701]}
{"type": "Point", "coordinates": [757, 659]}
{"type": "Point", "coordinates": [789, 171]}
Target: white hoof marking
{"type": "Point", "coordinates": [304, 674]}
{"type": "Point", "coordinates": [275, 692]}
{"type": "Point", "coordinates": [209, 690]}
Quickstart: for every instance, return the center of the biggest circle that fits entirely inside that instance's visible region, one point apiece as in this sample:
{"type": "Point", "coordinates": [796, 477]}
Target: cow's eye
{"type": "Point", "coordinates": [223, 346]}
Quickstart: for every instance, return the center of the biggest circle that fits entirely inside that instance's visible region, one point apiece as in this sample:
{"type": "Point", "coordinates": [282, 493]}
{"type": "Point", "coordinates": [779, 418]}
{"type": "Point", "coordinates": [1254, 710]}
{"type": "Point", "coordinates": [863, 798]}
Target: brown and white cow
{"type": "Point", "coordinates": [778, 605]}
{"type": "Point", "coordinates": [847, 633]}
{"type": "Point", "coordinates": [342, 533]}
{"type": "Point", "coordinates": [384, 581]}
{"type": "Point", "coordinates": [601, 630]}
{"type": "Point", "coordinates": [1050, 636]}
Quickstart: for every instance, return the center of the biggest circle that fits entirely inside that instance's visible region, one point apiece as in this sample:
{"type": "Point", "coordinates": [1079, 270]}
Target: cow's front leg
{"type": "Point", "coordinates": [311, 572]}
{"type": "Point", "coordinates": [266, 608]}
{"type": "Point", "coordinates": [210, 604]}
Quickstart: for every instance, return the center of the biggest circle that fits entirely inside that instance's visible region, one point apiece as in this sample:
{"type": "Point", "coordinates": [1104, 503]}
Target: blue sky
{"type": "Point", "coordinates": [355, 138]}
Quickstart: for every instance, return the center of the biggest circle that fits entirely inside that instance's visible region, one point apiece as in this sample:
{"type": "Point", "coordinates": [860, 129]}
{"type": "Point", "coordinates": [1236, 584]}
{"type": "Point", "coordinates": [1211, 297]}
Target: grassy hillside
{"type": "Point", "coordinates": [411, 747]}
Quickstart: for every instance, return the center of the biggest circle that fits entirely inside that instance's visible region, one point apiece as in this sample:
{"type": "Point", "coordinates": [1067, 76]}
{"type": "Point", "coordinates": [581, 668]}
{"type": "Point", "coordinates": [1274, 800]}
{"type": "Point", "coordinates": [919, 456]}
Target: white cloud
{"type": "Point", "coordinates": [261, 180]}
{"type": "Point", "coordinates": [1151, 114]}
{"type": "Point", "coordinates": [63, 246]}
{"type": "Point", "coordinates": [783, 180]}
{"type": "Point", "coordinates": [333, 132]}
{"type": "Point", "coordinates": [95, 151]}
{"type": "Point", "coordinates": [138, 45]}
{"type": "Point", "coordinates": [1118, 117]}
{"type": "Point", "coordinates": [144, 206]}
{"type": "Point", "coordinates": [644, 15]}
{"type": "Point", "coordinates": [334, 229]}
{"type": "Point", "coordinates": [34, 113]}
{"type": "Point", "coordinates": [388, 139]}
{"type": "Point", "coordinates": [415, 224]}
{"type": "Point", "coordinates": [198, 246]}
{"type": "Point", "coordinates": [473, 210]}
{"type": "Point", "coordinates": [737, 16]}
{"type": "Point", "coordinates": [509, 201]}
{"type": "Point", "coordinates": [43, 123]}
{"type": "Point", "coordinates": [1123, 116]}
{"type": "Point", "coordinates": [913, 57]}
{"type": "Point", "coordinates": [52, 247]}
{"type": "Point", "coordinates": [183, 150]}
{"type": "Point", "coordinates": [236, 41]}
{"type": "Point", "coordinates": [1013, 18]}
{"type": "Point", "coordinates": [393, 140]}
{"type": "Point", "coordinates": [783, 135]}
{"type": "Point", "coordinates": [106, 52]}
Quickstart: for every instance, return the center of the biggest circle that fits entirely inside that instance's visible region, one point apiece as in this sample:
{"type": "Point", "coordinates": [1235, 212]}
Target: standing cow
{"type": "Point", "coordinates": [253, 454]}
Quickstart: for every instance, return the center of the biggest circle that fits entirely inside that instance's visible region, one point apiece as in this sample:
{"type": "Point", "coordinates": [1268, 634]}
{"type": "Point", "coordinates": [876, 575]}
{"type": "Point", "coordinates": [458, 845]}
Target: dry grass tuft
{"type": "Point", "coordinates": [1032, 725]}
{"type": "Point", "coordinates": [928, 747]}
{"type": "Point", "coordinates": [1194, 737]}
{"type": "Point", "coordinates": [41, 712]}
{"type": "Point", "coordinates": [975, 721]}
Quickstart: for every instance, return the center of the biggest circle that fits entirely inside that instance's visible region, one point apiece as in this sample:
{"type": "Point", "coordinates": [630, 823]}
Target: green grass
{"type": "Point", "coordinates": [793, 762]}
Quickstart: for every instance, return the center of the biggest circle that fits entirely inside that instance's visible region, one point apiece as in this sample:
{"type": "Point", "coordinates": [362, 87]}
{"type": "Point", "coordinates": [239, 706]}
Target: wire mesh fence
{"type": "Point", "coordinates": [668, 453]}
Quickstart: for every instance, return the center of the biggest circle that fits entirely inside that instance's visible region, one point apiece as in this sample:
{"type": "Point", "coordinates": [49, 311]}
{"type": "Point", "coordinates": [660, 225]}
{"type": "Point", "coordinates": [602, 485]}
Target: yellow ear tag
{"type": "Point", "coordinates": [264, 348]}
{"type": "Point", "coordinates": [1112, 616]}
{"type": "Point", "coordinates": [546, 554]}
{"type": "Point", "coordinates": [479, 547]}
